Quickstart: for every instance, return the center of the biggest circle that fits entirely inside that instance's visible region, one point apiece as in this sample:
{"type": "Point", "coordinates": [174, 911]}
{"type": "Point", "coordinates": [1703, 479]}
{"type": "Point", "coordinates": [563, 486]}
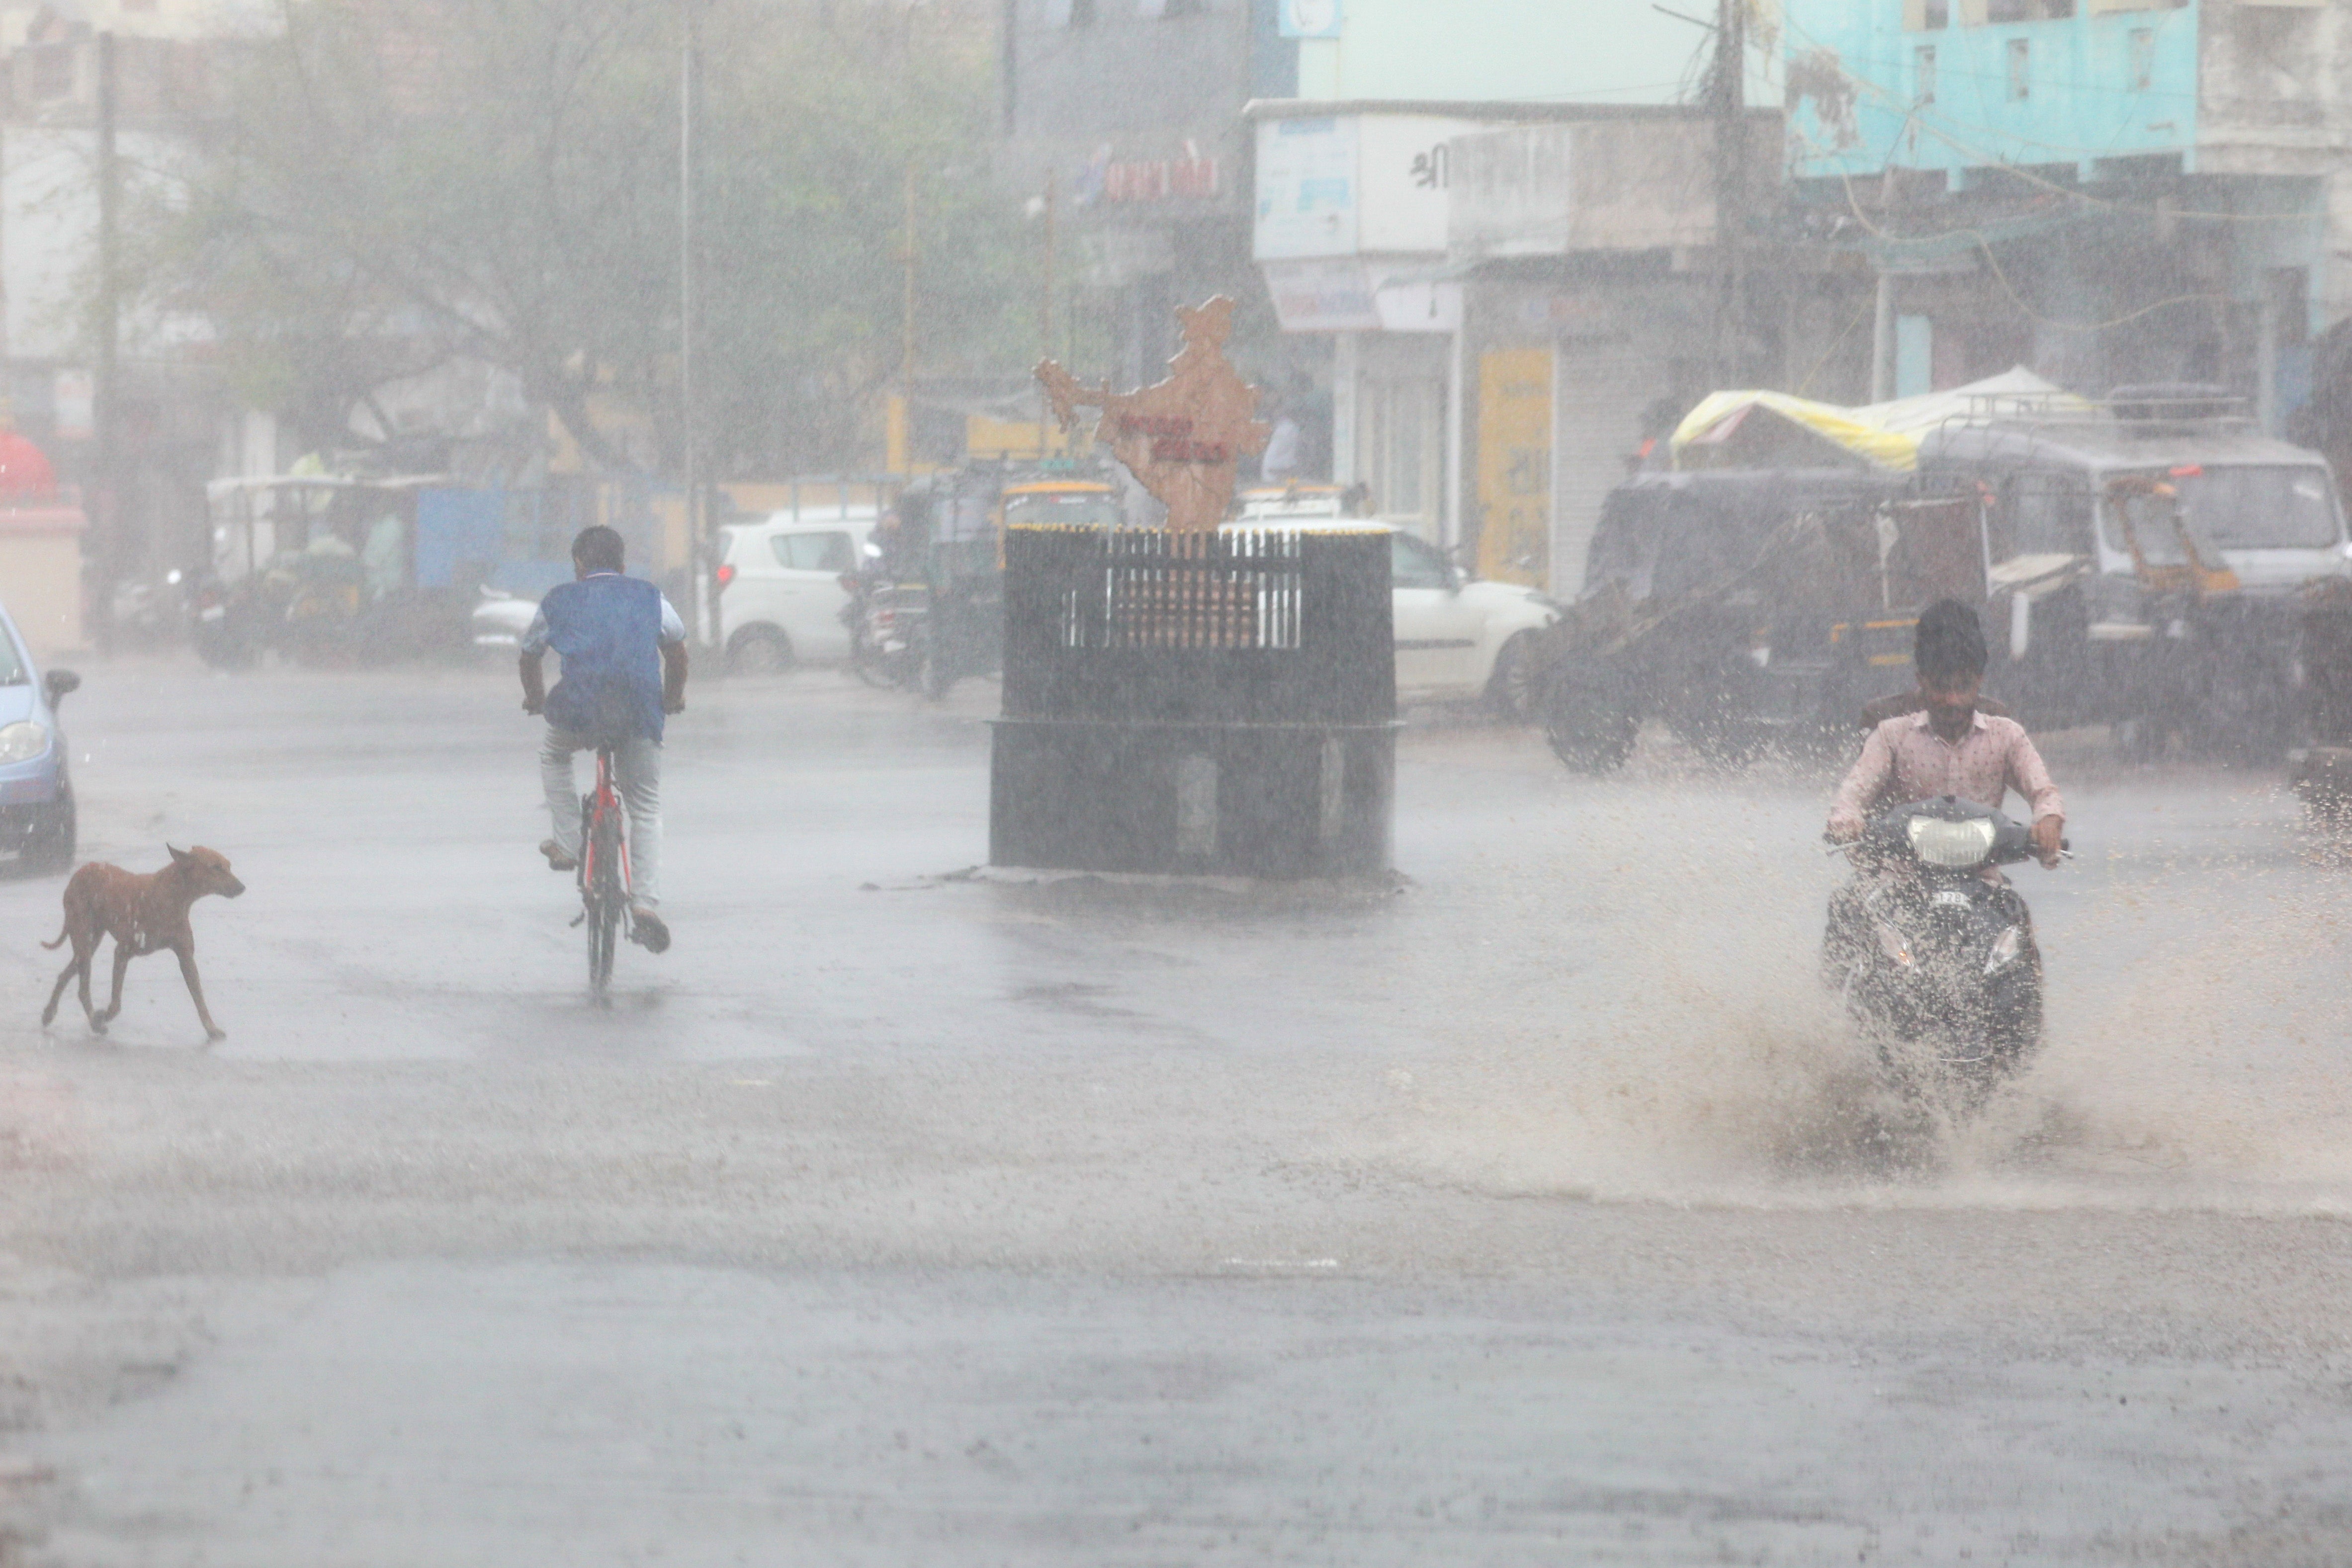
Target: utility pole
{"type": "Point", "coordinates": [105, 390]}
{"type": "Point", "coordinates": [907, 305]}
{"type": "Point", "coordinates": [1046, 304]}
{"type": "Point", "coordinates": [706, 604]}
{"type": "Point", "coordinates": [1729, 101]}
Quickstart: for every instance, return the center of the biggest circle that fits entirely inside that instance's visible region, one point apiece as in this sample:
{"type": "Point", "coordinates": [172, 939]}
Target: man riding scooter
{"type": "Point", "coordinates": [1945, 745]}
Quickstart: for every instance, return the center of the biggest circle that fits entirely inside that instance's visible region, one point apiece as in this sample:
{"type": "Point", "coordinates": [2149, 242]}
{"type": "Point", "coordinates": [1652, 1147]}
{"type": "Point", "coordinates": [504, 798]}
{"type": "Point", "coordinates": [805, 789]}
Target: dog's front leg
{"type": "Point", "coordinates": [187, 952]}
{"type": "Point", "coordinates": [122, 955]}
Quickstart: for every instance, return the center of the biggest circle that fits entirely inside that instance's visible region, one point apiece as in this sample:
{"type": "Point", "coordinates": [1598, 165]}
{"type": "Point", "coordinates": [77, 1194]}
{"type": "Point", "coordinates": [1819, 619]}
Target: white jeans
{"type": "Point", "coordinates": [637, 774]}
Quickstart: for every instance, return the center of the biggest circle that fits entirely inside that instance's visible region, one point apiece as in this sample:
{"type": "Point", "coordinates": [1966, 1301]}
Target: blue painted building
{"type": "Point", "coordinates": [1957, 86]}
{"type": "Point", "coordinates": [2108, 190]}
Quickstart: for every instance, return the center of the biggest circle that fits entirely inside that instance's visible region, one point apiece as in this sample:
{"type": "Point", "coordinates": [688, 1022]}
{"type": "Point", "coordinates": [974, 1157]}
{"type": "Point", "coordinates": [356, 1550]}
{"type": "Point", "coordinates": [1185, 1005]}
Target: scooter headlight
{"type": "Point", "coordinates": [1955, 846]}
{"type": "Point", "coordinates": [22, 742]}
{"type": "Point", "coordinates": [2006, 949]}
{"type": "Point", "coordinates": [1894, 945]}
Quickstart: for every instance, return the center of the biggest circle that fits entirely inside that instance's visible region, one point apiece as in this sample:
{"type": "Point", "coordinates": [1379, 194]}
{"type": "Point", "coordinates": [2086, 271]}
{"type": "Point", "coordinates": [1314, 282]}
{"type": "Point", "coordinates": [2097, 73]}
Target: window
{"type": "Point", "coordinates": [1923, 75]}
{"type": "Point", "coordinates": [2143, 59]}
{"type": "Point", "coordinates": [2265, 507]}
{"type": "Point", "coordinates": [814, 552]}
{"type": "Point", "coordinates": [1979, 12]}
{"type": "Point", "coordinates": [2042, 513]}
{"type": "Point", "coordinates": [2021, 70]}
{"type": "Point", "coordinates": [1926, 16]}
{"type": "Point", "coordinates": [1400, 446]}
{"type": "Point", "coordinates": [1415, 563]}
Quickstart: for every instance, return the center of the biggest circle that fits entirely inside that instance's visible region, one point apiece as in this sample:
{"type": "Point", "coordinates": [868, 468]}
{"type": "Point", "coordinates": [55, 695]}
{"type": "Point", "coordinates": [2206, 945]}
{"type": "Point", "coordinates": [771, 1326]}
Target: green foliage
{"type": "Point", "coordinates": [396, 183]}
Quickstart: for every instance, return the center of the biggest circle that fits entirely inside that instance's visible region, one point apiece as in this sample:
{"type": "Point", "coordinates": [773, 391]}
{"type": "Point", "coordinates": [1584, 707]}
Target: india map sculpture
{"type": "Point", "coordinates": [1183, 437]}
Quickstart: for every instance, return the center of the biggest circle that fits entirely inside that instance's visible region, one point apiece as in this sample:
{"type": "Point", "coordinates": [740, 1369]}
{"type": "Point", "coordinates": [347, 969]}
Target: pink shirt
{"type": "Point", "coordinates": [1905, 759]}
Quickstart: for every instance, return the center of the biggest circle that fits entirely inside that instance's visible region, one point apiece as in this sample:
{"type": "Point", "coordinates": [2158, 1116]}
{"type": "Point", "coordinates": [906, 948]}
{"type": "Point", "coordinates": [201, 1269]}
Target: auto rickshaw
{"type": "Point", "coordinates": [933, 596]}
{"type": "Point", "coordinates": [317, 566]}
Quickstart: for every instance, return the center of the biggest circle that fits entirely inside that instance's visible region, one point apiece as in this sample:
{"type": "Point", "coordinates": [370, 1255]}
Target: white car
{"type": "Point", "coordinates": [510, 602]}
{"type": "Point", "coordinates": [780, 591]}
{"type": "Point", "coordinates": [1457, 638]}
{"type": "Point", "coordinates": [1462, 637]}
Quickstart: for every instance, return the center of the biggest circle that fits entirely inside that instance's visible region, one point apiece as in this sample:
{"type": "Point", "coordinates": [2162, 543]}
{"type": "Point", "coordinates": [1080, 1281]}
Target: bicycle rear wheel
{"type": "Point", "coordinates": [601, 891]}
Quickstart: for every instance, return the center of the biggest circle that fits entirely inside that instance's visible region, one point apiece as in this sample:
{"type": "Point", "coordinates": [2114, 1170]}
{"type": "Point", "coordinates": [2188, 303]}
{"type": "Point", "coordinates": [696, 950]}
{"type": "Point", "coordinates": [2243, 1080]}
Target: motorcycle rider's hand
{"type": "Point", "coordinates": [532, 707]}
{"type": "Point", "coordinates": [1838, 833]}
{"type": "Point", "coordinates": [2049, 834]}
{"type": "Point", "coordinates": [673, 705]}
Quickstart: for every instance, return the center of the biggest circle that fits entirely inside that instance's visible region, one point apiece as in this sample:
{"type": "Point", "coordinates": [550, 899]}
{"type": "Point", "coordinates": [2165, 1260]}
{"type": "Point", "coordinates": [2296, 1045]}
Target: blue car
{"type": "Point", "coordinates": [36, 799]}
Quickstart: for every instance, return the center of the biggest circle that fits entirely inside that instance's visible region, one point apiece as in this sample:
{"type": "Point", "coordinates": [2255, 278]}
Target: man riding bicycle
{"type": "Point", "coordinates": [623, 650]}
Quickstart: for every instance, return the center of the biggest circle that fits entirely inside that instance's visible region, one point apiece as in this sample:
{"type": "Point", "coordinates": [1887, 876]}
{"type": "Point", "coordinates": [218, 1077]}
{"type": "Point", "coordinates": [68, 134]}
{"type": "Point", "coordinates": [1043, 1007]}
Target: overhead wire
{"type": "Point", "coordinates": [2000, 276]}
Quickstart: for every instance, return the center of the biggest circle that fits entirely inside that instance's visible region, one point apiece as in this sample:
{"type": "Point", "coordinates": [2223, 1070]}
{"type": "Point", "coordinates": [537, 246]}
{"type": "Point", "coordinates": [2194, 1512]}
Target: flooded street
{"type": "Point", "coordinates": [1539, 1210]}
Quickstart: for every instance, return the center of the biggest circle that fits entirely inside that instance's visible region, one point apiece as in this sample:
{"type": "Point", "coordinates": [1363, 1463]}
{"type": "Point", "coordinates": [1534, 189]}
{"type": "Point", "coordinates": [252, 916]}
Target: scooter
{"type": "Point", "coordinates": [1937, 961]}
{"type": "Point", "coordinates": [889, 634]}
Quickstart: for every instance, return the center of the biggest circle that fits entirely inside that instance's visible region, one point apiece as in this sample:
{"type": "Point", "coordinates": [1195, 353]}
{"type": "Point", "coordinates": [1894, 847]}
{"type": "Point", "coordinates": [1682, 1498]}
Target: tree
{"type": "Point", "coordinates": [396, 183]}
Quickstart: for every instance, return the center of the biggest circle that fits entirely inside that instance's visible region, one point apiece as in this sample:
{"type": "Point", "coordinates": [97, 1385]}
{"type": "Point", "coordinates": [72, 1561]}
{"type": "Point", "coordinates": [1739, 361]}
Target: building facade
{"type": "Point", "coordinates": [1499, 222]}
{"type": "Point", "coordinates": [1123, 129]}
{"type": "Point", "coordinates": [2108, 191]}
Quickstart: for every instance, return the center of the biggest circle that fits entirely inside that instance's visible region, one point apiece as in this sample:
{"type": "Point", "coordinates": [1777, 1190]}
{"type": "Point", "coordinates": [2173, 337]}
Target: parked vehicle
{"type": "Point", "coordinates": [938, 599]}
{"type": "Point", "coordinates": [1939, 968]}
{"type": "Point", "coordinates": [1458, 638]}
{"type": "Point", "coordinates": [781, 590]}
{"type": "Point", "coordinates": [2147, 553]}
{"type": "Point", "coordinates": [151, 612]}
{"type": "Point", "coordinates": [889, 641]}
{"type": "Point", "coordinates": [1747, 610]}
{"type": "Point", "coordinates": [2319, 762]}
{"type": "Point", "coordinates": [37, 819]}
{"type": "Point", "coordinates": [2143, 554]}
{"type": "Point", "coordinates": [510, 602]}
{"type": "Point", "coordinates": [322, 567]}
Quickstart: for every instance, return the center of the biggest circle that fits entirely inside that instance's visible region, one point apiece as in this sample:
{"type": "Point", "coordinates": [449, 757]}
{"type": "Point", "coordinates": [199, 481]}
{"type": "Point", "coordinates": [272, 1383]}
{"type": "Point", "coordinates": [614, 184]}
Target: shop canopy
{"type": "Point", "coordinates": [1778, 430]}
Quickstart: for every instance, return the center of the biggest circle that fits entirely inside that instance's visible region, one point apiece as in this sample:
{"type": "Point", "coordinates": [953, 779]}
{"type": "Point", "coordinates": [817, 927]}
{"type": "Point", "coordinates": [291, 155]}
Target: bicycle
{"type": "Point", "coordinates": [603, 873]}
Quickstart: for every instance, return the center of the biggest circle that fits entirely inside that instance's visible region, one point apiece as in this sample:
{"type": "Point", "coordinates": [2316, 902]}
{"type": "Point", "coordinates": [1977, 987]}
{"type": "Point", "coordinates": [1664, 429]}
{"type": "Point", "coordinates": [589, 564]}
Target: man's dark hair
{"type": "Point", "coordinates": [599, 549]}
{"type": "Point", "coordinates": [1949, 643]}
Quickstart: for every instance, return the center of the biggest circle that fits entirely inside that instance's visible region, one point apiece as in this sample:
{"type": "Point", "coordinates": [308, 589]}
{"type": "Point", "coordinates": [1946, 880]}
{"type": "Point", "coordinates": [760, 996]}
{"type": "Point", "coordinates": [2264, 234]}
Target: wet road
{"type": "Point", "coordinates": [1536, 1212]}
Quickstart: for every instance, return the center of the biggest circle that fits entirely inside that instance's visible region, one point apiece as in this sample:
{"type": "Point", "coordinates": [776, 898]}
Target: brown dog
{"type": "Point", "coordinates": [143, 914]}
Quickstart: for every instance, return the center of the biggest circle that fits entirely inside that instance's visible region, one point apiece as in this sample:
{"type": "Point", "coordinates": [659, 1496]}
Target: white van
{"type": "Point", "coordinates": [780, 592]}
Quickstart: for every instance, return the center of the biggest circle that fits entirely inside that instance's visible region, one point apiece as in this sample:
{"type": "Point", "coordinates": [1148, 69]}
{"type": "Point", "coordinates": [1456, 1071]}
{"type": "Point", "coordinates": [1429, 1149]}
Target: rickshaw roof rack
{"type": "Point", "coordinates": [248, 483]}
{"type": "Point", "coordinates": [2159, 404]}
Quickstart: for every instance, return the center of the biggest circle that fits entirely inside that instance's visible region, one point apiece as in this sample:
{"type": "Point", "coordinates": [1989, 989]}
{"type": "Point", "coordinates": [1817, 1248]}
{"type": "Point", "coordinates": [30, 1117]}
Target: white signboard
{"type": "Point", "coordinates": [1403, 175]}
{"type": "Point", "coordinates": [1306, 189]}
{"type": "Point", "coordinates": [1372, 184]}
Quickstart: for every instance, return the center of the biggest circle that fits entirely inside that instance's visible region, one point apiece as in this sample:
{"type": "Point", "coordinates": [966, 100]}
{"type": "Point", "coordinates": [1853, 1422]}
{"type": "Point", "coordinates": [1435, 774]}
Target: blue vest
{"type": "Point", "coordinates": [608, 630]}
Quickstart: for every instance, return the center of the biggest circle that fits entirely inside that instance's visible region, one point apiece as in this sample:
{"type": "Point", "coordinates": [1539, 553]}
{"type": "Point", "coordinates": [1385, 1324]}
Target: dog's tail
{"type": "Point", "coordinates": [61, 937]}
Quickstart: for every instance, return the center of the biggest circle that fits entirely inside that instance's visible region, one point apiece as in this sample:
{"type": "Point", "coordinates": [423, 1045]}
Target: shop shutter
{"type": "Point", "coordinates": [1600, 386]}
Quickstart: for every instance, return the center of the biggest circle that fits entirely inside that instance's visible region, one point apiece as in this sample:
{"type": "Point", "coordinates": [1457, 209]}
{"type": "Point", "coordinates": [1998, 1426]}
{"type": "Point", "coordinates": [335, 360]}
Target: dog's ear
{"type": "Point", "coordinates": [179, 857]}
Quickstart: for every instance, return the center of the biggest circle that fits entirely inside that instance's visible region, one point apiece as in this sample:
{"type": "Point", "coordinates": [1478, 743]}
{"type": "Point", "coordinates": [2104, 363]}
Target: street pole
{"type": "Point", "coordinates": [906, 314]}
{"type": "Point", "coordinates": [1882, 339]}
{"type": "Point", "coordinates": [1046, 307]}
{"type": "Point", "coordinates": [699, 545]}
{"type": "Point", "coordinates": [1730, 97]}
{"type": "Point", "coordinates": [105, 398]}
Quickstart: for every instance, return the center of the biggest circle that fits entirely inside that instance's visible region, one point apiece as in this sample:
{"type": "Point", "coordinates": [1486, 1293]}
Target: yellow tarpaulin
{"type": "Point", "coordinates": [1884, 434]}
